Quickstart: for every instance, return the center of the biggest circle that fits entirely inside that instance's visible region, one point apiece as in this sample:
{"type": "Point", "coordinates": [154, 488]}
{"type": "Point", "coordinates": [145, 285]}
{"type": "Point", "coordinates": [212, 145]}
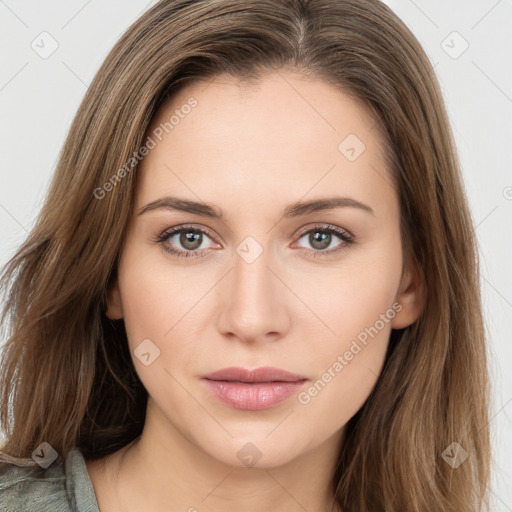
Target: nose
{"type": "Point", "coordinates": [254, 303]}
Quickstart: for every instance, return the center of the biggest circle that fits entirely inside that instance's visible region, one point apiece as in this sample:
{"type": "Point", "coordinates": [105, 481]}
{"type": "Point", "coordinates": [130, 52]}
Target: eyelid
{"type": "Point", "coordinates": [167, 233]}
{"type": "Point", "coordinates": [300, 233]}
{"type": "Point", "coordinates": [346, 237]}
{"type": "Point", "coordinates": [325, 227]}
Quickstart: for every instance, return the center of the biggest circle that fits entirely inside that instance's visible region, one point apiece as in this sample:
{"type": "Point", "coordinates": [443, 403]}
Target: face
{"type": "Point", "coordinates": [263, 271]}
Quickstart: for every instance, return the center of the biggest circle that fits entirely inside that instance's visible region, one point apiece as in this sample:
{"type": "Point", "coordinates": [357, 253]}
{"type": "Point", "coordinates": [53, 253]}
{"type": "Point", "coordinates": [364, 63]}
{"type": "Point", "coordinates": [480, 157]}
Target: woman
{"type": "Point", "coordinates": [322, 347]}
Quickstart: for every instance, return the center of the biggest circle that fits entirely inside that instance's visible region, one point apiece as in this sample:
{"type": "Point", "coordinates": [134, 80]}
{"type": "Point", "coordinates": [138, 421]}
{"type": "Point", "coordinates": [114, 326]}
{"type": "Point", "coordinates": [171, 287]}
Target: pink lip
{"type": "Point", "coordinates": [263, 374]}
{"type": "Point", "coordinates": [253, 389]}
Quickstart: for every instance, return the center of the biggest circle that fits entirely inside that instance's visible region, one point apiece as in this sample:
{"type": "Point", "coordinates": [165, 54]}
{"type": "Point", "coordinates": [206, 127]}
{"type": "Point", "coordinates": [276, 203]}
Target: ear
{"type": "Point", "coordinates": [410, 295]}
{"type": "Point", "coordinates": [114, 304]}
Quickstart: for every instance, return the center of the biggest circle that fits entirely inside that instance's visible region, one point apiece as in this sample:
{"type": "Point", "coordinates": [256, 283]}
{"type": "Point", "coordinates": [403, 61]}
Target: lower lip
{"type": "Point", "coordinates": [253, 397]}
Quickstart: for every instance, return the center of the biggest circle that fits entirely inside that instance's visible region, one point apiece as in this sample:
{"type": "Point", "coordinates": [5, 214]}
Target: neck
{"type": "Point", "coordinates": [162, 470]}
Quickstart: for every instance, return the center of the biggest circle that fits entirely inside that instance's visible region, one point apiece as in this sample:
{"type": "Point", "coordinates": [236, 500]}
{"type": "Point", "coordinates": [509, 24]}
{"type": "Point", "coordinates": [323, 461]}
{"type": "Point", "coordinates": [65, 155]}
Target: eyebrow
{"type": "Point", "coordinates": [293, 210]}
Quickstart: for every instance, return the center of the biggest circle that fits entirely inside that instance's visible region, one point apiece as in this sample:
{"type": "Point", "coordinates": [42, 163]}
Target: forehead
{"type": "Point", "coordinates": [284, 136]}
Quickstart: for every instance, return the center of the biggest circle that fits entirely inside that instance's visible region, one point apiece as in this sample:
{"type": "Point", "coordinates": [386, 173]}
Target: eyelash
{"type": "Point", "coordinates": [344, 235]}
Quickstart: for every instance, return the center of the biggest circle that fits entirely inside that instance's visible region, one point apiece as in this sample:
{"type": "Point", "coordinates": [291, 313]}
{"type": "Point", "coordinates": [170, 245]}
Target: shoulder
{"type": "Point", "coordinates": [25, 486]}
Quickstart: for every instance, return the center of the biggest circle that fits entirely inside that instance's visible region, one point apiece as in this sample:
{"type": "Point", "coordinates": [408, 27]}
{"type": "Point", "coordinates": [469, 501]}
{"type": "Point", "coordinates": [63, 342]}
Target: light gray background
{"type": "Point", "coordinates": [39, 97]}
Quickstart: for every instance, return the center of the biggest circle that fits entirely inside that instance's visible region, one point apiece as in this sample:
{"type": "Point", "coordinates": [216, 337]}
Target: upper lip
{"type": "Point", "coordinates": [263, 374]}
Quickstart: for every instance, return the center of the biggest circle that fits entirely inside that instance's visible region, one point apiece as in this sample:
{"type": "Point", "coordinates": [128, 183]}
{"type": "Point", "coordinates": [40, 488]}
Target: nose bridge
{"type": "Point", "coordinates": [254, 305]}
{"type": "Point", "coordinates": [251, 274]}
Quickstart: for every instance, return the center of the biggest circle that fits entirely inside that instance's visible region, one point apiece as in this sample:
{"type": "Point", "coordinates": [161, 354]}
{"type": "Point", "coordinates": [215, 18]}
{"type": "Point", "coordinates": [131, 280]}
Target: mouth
{"type": "Point", "coordinates": [257, 389]}
{"type": "Point", "coordinates": [257, 376]}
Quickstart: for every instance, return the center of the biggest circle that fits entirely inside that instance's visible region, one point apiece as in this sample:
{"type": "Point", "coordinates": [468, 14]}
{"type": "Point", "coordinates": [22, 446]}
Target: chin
{"type": "Point", "coordinates": [258, 451]}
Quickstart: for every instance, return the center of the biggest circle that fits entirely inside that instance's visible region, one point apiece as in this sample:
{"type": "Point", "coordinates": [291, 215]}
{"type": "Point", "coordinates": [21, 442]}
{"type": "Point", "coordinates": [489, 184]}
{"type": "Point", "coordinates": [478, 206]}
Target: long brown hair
{"type": "Point", "coordinates": [67, 377]}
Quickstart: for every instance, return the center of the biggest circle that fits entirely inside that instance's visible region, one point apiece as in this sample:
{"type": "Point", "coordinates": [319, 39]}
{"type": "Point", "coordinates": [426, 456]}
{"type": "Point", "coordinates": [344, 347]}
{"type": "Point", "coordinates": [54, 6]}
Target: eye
{"type": "Point", "coordinates": [189, 238]}
{"type": "Point", "coordinates": [321, 237]}
{"type": "Point", "coordinates": [192, 239]}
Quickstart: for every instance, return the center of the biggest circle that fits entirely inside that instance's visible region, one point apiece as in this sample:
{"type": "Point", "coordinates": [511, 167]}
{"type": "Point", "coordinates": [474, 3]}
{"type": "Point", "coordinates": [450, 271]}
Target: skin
{"type": "Point", "coordinates": [252, 150]}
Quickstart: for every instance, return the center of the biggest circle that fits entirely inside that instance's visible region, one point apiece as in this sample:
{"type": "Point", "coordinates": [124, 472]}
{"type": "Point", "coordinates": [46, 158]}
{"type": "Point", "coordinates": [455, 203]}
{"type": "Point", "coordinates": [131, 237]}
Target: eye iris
{"type": "Point", "coordinates": [190, 237]}
{"type": "Point", "coordinates": [318, 236]}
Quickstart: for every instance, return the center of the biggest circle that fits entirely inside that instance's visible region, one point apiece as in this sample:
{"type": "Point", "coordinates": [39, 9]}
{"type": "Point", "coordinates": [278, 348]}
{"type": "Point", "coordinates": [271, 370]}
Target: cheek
{"type": "Point", "coordinates": [160, 305]}
{"type": "Point", "coordinates": [344, 367]}
{"type": "Point", "coordinates": [356, 305]}
{"type": "Point", "coordinates": [346, 298]}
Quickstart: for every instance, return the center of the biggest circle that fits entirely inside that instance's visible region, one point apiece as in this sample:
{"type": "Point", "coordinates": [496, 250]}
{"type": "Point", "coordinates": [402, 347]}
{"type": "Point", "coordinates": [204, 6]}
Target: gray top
{"type": "Point", "coordinates": [28, 487]}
